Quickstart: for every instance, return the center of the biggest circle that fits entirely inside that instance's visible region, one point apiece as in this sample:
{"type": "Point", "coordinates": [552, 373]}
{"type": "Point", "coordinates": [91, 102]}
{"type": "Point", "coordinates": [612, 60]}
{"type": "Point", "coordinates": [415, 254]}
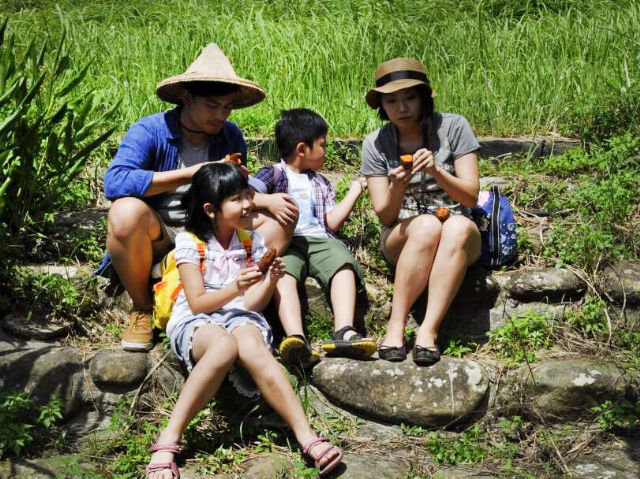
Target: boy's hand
{"type": "Point", "coordinates": [283, 208]}
{"type": "Point", "coordinates": [248, 277]}
{"type": "Point", "coordinates": [359, 185]}
{"type": "Point", "coordinates": [278, 268]}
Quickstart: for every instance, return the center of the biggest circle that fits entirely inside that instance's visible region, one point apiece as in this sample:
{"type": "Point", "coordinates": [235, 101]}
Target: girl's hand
{"type": "Point", "coordinates": [248, 277]}
{"type": "Point", "coordinates": [399, 177]}
{"type": "Point", "coordinates": [424, 160]}
{"type": "Point", "coordinates": [277, 268]}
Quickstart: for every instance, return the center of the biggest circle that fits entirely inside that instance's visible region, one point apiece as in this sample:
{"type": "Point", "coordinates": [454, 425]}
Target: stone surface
{"type": "Point", "coordinates": [267, 467]}
{"type": "Point", "coordinates": [566, 388]}
{"type": "Point", "coordinates": [538, 284]}
{"type": "Point", "coordinates": [610, 461]}
{"type": "Point", "coordinates": [450, 391]}
{"type": "Point", "coordinates": [487, 182]}
{"type": "Point", "coordinates": [66, 466]}
{"type": "Point", "coordinates": [478, 287]}
{"type": "Point", "coordinates": [622, 282]}
{"type": "Point", "coordinates": [118, 369]}
{"type": "Point", "coordinates": [20, 326]}
{"type": "Point", "coordinates": [463, 472]}
{"type": "Point", "coordinates": [364, 466]}
{"type": "Point", "coordinates": [42, 370]}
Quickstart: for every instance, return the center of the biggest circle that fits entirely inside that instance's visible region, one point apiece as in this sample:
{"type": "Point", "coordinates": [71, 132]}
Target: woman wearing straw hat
{"type": "Point", "coordinates": [153, 168]}
{"type": "Point", "coordinates": [423, 201]}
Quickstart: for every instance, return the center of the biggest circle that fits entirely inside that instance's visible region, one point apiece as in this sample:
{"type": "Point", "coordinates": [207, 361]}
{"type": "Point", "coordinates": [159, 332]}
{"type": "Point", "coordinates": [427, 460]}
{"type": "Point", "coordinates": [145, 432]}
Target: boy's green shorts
{"type": "Point", "coordinates": [320, 258]}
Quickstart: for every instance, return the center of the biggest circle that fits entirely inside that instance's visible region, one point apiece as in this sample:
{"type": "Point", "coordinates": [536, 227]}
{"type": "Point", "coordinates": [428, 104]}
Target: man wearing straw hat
{"type": "Point", "coordinates": [153, 168]}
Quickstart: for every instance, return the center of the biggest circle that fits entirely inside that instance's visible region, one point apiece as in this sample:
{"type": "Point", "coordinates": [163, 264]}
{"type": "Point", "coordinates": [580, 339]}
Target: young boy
{"type": "Point", "coordinates": [314, 250]}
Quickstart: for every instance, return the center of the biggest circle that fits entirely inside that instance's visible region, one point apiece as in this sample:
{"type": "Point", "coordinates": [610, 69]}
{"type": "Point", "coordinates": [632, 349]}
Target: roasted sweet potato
{"type": "Point", "coordinates": [266, 260]}
{"type": "Point", "coordinates": [407, 162]}
{"type": "Point", "coordinates": [234, 158]}
{"type": "Point", "coordinates": [442, 214]}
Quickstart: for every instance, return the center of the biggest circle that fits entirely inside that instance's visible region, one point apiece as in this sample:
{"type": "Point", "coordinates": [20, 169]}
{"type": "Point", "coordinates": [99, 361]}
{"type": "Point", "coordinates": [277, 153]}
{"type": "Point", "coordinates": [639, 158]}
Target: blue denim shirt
{"type": "Point", "coordinates": [151, 145]}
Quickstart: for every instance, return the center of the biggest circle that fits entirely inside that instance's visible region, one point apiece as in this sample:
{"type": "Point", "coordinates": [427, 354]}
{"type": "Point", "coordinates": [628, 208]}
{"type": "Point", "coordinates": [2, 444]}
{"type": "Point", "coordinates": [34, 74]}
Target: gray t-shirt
{"type": "Point", "coordinates": [170, 207]}
{"type": "Point", "coordinates": [452, 139]}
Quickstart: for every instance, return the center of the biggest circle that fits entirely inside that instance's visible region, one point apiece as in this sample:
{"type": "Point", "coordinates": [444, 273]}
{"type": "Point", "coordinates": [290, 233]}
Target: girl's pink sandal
{"type": "Point", "coordinates": [161, 466]}
{"type": "Point", "coordinates": [331, 465]}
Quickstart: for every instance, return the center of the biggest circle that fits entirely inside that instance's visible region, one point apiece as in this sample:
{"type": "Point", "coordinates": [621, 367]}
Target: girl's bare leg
{"type": "Point", "coordinates": [459, 248]}
{"type": "Point", "coordinates": [275, 387]}
{"type": "Point", "coordinates": [214, 351]}
{"type": "Point", "coordinates": [412, 246]}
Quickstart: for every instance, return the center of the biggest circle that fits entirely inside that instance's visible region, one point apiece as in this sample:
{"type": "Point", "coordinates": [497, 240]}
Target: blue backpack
{"type": "Point", "coordinates": [497, 226]}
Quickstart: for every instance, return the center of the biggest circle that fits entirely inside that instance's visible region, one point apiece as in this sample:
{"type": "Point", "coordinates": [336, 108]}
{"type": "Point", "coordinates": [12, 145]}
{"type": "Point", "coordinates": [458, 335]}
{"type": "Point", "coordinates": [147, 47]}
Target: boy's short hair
{"type": "Point", "coordinates": [298, 125]}
{"type": "Point", "coordinates": [210, 88]}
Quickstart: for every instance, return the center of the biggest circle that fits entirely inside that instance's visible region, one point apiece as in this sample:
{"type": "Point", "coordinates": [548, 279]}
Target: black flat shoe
{"type": "Point", "coordinates": [392, 353]}
{"type": "Point", "coordinates": [425, 356]}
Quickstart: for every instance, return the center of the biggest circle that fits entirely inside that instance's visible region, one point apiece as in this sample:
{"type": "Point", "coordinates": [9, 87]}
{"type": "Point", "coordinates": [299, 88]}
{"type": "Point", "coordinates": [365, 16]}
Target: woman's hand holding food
{"type": "Point", "coordinates": [425, 160]}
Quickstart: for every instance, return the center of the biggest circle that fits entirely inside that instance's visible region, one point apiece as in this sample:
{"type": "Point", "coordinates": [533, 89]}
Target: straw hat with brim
{"type": "Point", "coordinates": [394, 75]}
{"type": "Point", "coordinates": [210, 66]}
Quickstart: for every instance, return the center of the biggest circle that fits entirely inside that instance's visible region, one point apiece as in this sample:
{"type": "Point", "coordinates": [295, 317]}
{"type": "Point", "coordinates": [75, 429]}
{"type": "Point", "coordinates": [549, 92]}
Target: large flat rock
{"type": "Point", "coordinates": [451, 391]}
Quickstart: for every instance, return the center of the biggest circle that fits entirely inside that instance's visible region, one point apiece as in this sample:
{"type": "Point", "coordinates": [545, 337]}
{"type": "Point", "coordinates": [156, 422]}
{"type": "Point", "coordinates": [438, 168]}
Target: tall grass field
{"type": "Point", "coordinates": [512, 67]}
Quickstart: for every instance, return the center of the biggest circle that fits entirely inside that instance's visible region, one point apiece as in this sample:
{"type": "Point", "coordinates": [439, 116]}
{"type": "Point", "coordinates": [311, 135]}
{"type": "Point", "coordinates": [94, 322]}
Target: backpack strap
{"type": "Point", "coordinates": [201, 246]}
{"type": "Point", "coordinates": [245, 238]}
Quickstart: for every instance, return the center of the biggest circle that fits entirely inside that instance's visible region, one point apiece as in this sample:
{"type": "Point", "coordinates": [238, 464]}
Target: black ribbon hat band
{"type": "Point", "coordinates": [401, 75]}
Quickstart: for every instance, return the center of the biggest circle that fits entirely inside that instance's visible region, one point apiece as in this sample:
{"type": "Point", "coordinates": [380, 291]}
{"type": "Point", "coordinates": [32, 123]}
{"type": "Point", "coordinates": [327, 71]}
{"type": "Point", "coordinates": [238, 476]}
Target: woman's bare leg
{"type": "Point", "coordinates": [412, 246]}
{"type": "Point", "coordinates": [459, 248]}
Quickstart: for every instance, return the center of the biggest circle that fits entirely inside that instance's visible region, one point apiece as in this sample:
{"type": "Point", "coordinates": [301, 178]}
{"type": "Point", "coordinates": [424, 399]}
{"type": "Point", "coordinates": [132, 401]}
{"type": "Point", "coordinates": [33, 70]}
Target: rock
{"type": "Point", "coordinates": [450, 391]}
{"type": "Point", "coordinates": [317, 304]}
{"type": "Point", "coordinates": [358, 466]}
{"type": "Point", "coordinates": [536, 235]}
{"type": "Point", "coordinates": [614, 460]}
{"type": "Point", "coordinates": [43, 370]}
{"type": "Point", "coordinates": [20, 326]}
{"type": "Point", "coordinates": [545, 283]}
{"type": "Point", "coordinates": [476, 321]}
{"type": "Point", "coordinates": [535, 147]}
{"type": "Point", "coordinates": [56, 466]}
{"type": "Point", "coordinates": [462, 472]}
{"type": "Point", "coordinates": [478, 287]}
{"type": "Point", "coordinates": [267, 467]}
{"type": "Point", "coordinates": [487, 182]}
{"type": "Point", "coordinates": [118, 369]}
{"type": "Point", "coordinates": [622, 282]}
{"type": "Point", "coordinates": [566, 388]}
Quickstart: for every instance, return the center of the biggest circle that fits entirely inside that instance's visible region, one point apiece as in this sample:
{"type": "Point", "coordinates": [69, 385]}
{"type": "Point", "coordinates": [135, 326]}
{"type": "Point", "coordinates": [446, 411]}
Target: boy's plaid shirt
{"type": "Point", "coordinates": [273, 179]}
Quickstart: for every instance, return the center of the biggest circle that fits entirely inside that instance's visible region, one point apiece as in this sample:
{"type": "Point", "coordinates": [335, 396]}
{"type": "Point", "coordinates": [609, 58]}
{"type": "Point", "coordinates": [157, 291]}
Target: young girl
{"type": "Point", "coordinates": [214, 322]}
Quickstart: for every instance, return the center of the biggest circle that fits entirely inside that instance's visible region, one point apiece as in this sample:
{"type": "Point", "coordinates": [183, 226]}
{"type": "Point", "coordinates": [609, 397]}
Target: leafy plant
{"type": "Point", "coordinates": [22, 421]}
{"type": "Point", "coordinates": [520, 337]}
{"type": "Point", "coordinates": [465, 448]}
{"type": "Point", "coordinates": [48, 130]}
{"type": "Point", "coordinates": [617, 415]}
{"type": "Point", "coordinates": [459, 348]}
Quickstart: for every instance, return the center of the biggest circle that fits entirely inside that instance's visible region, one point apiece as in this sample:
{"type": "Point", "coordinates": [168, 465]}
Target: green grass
{"type": "Point", "coordinates": [511, 67]}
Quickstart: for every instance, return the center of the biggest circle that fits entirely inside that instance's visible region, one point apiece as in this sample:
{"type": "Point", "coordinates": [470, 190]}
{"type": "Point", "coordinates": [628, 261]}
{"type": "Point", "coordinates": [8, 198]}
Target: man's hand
{"type": "Point", "coordinates": [248, 277]}
{"type": "Point", "coordinates": [283, 208]}
{"type": "Point", "coordinates": [192, 170]}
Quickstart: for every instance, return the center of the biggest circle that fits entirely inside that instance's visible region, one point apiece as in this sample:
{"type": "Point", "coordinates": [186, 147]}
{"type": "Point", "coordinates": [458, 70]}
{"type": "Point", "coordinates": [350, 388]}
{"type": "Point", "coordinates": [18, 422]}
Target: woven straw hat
{"type": "Point", "coordinates": [211, 65]}
{"type": "Point", "coordinates": [397, 74]}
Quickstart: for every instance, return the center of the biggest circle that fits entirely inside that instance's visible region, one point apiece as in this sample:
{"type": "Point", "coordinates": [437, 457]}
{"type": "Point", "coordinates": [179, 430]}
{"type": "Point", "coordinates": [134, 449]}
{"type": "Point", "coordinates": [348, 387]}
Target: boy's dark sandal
{"type": "Point", "coordinates": [356, 347]}
{"type": "Point", "coordinates": [392, 353]}
{"type": "Point", "coordinates": [295, 350]}
{"type": "Point", "coordinates": [425, 356]}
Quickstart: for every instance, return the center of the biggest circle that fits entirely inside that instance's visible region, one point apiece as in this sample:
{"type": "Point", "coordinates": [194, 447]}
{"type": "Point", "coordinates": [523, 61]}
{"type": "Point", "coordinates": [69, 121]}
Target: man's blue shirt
{"type": "Point", "coordinates": [152, 144]}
